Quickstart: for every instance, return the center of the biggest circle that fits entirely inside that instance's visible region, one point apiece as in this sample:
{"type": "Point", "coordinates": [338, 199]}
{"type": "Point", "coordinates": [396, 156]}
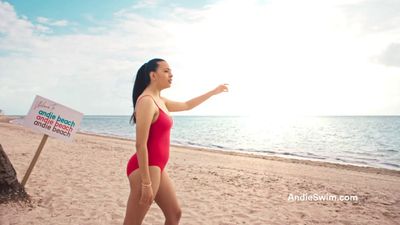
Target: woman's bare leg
{"type": "Point", "coordinates": [135, 212]}
{"type": "Point", "coordinates": [166, 199]}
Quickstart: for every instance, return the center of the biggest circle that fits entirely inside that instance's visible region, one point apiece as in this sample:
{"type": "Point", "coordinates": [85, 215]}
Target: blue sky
{"type": "Point", "coordinates": [79, 13]}
{"type": "Point", "coordinates": [75, 10]}
{"type": "Point", "coordinates": [279, 57]}
{"type": "Point", "coordinates": [84, 14]}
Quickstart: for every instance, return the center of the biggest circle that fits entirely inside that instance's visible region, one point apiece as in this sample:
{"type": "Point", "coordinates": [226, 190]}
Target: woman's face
{"type": "Point", "coordinates": [163, 75]}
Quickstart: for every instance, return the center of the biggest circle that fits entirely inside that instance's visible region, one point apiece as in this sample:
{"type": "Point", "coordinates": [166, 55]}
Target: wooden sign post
{"type": "Point", "coordinates": [51, 119]}
{"type": "Point", "coordinates": [34, 160]}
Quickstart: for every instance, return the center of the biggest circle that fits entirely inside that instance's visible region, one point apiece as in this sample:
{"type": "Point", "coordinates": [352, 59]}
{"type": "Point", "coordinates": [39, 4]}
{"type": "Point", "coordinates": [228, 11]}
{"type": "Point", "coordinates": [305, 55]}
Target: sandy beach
{"type": "Point", "coordinates": [84, 182]}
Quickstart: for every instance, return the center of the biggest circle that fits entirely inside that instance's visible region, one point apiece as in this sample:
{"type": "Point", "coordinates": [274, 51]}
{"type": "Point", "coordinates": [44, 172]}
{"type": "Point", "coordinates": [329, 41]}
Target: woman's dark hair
{"type": "Point", "coordinates": [142, 81]}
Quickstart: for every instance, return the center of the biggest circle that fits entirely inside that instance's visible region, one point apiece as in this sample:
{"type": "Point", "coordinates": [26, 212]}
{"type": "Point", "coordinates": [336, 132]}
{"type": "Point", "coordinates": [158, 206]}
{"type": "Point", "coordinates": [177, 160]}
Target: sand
{"type": "Point", "coordinates": [84, 182]}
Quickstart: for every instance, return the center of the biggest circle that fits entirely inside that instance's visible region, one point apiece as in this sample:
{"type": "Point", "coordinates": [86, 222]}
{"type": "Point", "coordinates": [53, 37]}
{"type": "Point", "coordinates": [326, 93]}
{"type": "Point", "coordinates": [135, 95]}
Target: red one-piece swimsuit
{"type": "Point", "coordinates": [157, 143]}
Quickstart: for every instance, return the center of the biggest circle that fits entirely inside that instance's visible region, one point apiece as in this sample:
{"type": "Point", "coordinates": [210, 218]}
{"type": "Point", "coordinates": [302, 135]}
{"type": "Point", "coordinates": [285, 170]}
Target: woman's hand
{"type": "Point", "coordinates": [220, 88]}
{"type": "Point", "coordinates": [147, 195]}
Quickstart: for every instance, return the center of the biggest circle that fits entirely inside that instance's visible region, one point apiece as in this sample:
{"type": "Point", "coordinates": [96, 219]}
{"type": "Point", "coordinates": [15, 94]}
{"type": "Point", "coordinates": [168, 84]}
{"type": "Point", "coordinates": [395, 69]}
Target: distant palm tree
{"type": "Point", "coordinates": [1, 112]}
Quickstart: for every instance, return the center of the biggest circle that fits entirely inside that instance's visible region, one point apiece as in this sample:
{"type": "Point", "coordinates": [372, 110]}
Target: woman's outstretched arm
{"type": "Point", "coordinates": [188, 105]}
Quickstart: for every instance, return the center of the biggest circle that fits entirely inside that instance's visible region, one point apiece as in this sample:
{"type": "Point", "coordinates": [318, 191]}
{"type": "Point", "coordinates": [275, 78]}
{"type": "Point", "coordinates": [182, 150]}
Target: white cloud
{"type": "Point", "coordinates": [391, 55]}
{"type": "Point", "coordinates": [43, 29]}
{"type": "Point", "coordinates": [278, 57]}
{"type": "Point", "coordinates": [49, 22]}
{"type": "Point", "coordinates": [10, 24]}
{"type": "Point", "coordinates": [145, 4]}
{"type": "Point", "coordinates": [374, 15]}
{"type": "Point", "coordinates": [42, 20]}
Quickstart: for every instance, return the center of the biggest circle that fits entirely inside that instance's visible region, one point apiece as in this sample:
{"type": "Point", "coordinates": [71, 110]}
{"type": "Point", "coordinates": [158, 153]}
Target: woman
{"type": "Point", "coordinates": [145, 170]}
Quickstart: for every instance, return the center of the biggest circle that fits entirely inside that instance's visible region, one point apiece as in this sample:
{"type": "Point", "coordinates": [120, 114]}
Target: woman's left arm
{"type": "Point", "coordinates": [188, 105]}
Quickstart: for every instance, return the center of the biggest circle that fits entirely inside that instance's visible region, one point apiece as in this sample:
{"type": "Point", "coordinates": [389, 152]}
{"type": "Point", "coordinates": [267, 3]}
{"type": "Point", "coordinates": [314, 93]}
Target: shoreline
{"type": "Point", "coordinates": [304, 161]}
{"type": "Point", "coordinates": [259, 155]}
{"type": "Point", "coordinates": [7, 119]}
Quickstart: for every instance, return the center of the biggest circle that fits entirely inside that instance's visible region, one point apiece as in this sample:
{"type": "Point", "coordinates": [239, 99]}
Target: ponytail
{"type": "Point", "coordinates": [142, 81]}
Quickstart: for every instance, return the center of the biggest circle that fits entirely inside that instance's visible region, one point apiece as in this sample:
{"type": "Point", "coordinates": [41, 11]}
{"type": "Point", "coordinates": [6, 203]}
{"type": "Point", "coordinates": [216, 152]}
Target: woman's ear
{"type": "Point", "coordinates": [152, 75]}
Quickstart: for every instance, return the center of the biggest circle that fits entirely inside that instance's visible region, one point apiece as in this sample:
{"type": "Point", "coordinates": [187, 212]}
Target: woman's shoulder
{"type": "Point", "coordinates": [144, 95]}
{"type": "Point", "coordinates": [144, 100]}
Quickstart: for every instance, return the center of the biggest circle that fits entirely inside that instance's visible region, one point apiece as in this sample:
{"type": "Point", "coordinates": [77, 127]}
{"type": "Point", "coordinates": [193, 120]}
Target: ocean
{"type": "Point", "coordinates": [358, 140]}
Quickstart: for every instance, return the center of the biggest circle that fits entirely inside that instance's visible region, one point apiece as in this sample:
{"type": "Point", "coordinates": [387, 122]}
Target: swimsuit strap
{"type": "Point", "coordinates": [156, 105]}
{"type": "Point", "coordinates": [151, 98]}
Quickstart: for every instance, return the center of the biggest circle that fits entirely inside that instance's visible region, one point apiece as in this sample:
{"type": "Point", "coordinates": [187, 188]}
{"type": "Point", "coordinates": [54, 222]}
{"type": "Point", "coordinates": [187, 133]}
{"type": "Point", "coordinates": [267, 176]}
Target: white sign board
{"type": "Point", "coordinates": [53, 119]}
